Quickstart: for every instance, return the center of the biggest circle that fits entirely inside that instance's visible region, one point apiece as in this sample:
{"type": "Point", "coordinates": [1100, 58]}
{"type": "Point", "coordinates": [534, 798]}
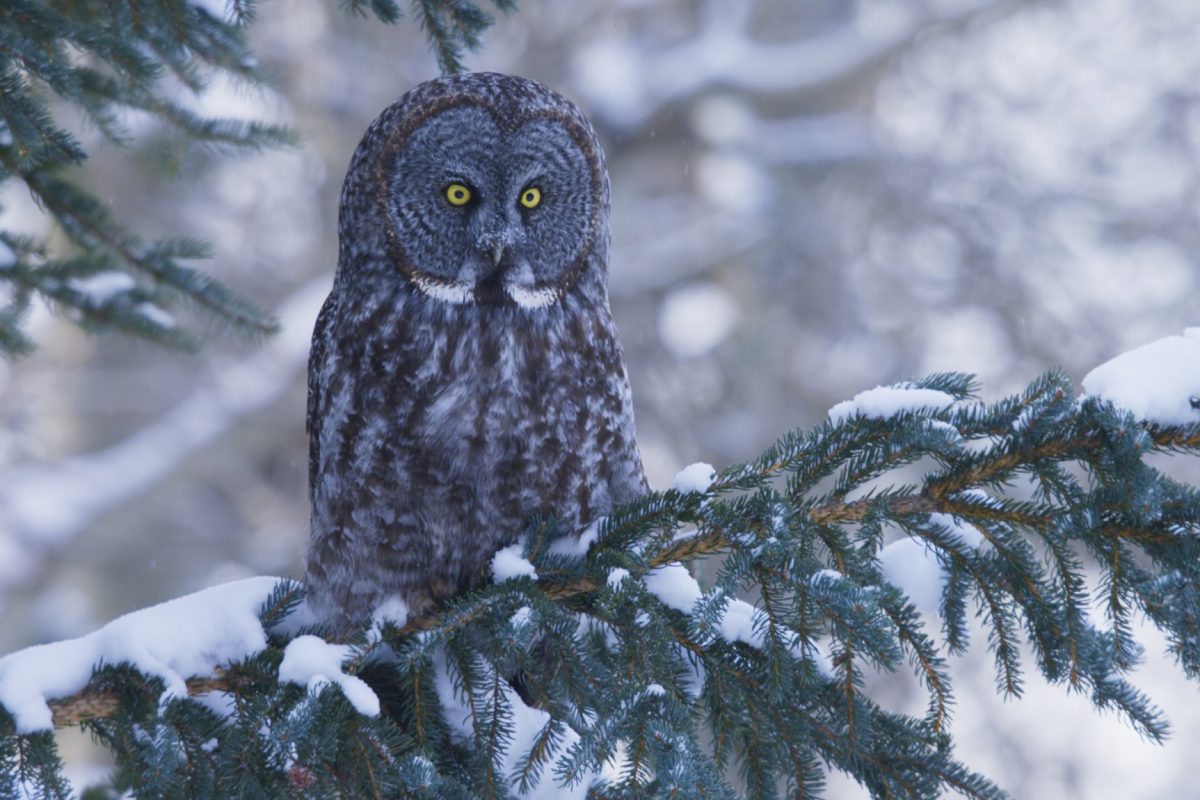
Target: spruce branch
{"type": "Point", "coordinates": [107, 59]}
{"type": "Point", "coordinates": [92, 703]}
{"type": "Point", "coordinates": [851, 537]}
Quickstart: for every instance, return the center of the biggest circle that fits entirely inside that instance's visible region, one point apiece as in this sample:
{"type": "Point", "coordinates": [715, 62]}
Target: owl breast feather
{"type": "Point", "coordinates": [439, 438]}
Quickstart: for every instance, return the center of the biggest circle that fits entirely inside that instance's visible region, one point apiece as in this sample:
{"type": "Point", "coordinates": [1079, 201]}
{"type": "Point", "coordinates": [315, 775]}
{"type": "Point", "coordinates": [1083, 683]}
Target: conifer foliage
{"type": "Point", "coordinates": [617, 674]}
{"type": "Point", "coordinates": [106, 60]}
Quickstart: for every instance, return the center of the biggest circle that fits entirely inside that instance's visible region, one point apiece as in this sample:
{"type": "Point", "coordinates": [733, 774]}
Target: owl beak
{"type": "Point", "coordinates": [497, 253]}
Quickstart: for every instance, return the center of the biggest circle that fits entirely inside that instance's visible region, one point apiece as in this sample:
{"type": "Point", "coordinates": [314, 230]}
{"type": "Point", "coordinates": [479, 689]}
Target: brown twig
{"type": "Point", "coordinates": [93, 703]}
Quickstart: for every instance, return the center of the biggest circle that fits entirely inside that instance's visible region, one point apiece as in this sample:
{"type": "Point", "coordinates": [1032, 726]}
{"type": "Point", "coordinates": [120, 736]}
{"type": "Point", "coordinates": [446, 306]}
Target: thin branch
{"type": "Point", "coordinates": [103, 703]}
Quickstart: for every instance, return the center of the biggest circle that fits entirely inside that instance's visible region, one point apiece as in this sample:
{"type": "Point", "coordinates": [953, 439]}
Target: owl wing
{"type": "Point", "coordinates": [316, 362]}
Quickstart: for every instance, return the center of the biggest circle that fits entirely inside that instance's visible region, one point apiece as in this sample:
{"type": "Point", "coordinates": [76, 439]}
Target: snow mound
{"type": "Point", "coordinates": [674, 586]}
{"type": "Point", "coordinates": [1158, 382]}
{"type": "Point", "coordinates": [155, 314]}
{"type": "Point", "coordinates": [739, 622]}
{"type": "Point", "coordinates": [392, 611]}
{"type": "Point", "coordinates": [508, 564]}
{"type": "Point", "coordinates": [696, 477]}
{"type": "Point", "coordinates": [576, 547]}
{"type": "Point", "coordinates": [887, 401]}
{"type": "Point", "coordinates": [312, 662]}
{"type": "Point", "coordinates": [103, 286]}
{"type": "Point", "coordinates": [190, 636]}
{"type": "Point", "coordinates": [615, 576]}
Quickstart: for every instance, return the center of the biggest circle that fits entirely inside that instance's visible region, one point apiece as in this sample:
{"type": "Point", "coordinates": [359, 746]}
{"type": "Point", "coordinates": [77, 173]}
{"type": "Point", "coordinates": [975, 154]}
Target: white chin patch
{"type": "Point", "coordinates": [455, 292]}
{"type": "Point", "coordinates": [531, 298]}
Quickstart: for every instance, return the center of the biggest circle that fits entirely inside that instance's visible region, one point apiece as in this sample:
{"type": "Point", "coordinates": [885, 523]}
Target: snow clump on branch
{"type": "Point", "coordinates": [888, 401]}
{"type": "Point", "coordinates": [1158, 382]}
{"type": "Point", "coordinates": [191, 636]}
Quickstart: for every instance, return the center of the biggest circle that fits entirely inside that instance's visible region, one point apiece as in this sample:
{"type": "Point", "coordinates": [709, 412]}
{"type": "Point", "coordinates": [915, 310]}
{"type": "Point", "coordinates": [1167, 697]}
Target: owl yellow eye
{"type": "Point", "coordinates": [458, 195]}
{"type": "Point", "coordinates": [531, 197]}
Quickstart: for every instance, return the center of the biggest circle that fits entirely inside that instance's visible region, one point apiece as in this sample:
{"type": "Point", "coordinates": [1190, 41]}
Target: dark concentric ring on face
{"type": "Point", "coordinates": [493, 249]}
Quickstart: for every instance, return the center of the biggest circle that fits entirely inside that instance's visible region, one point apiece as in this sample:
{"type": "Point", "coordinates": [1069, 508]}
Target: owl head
{"type": "Point", "coordinates": [477, 189]}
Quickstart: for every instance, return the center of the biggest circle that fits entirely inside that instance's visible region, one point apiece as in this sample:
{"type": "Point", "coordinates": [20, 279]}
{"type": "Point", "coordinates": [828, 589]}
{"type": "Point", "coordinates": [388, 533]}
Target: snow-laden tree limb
{"type": "Point", "coordinates": [602, 649]}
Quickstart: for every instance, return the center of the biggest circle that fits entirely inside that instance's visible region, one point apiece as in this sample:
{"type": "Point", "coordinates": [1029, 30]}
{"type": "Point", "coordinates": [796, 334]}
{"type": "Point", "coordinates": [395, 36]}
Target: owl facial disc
{"type": "Point", "coordinates": [496, 268]}
{"type": "Point", "coordinates": [489, 207]}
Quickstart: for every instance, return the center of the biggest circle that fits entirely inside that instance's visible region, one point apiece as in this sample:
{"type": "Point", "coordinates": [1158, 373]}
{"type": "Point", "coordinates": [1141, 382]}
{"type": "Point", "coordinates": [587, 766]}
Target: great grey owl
{"type": "Point", "coordinates": [465, 372]}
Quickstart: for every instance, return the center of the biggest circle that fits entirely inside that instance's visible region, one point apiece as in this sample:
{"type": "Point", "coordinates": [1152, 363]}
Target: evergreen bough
{"type": "Point", "coordinates": [1058, 487]}
{"type": "Point", "coordinates": [106, 59]}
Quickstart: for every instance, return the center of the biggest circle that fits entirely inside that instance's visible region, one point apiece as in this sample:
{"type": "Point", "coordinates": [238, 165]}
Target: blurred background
{"type": "Point", "coordinates": [809, 199]}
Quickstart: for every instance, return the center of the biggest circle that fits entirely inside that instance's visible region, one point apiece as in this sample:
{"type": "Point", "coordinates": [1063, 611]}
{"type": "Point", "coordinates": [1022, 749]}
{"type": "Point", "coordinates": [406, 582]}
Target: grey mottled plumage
{"type": "Point", "coordinates": [465, 372]}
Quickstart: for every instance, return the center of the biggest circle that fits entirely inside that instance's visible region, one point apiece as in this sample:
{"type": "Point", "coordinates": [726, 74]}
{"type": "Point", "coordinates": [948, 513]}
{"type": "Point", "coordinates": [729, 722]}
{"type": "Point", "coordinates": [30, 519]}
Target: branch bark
{"type": "Point", "coordinates": [92, 703]}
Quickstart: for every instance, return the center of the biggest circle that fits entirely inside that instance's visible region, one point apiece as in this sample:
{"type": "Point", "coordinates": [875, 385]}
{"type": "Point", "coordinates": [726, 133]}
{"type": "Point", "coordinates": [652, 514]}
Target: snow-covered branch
{"type": "Point", "coordinates": [603, 647]}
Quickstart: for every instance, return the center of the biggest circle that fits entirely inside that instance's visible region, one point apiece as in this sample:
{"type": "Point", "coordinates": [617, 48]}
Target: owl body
{"type": "Point", "coordinates": [466, 374]}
